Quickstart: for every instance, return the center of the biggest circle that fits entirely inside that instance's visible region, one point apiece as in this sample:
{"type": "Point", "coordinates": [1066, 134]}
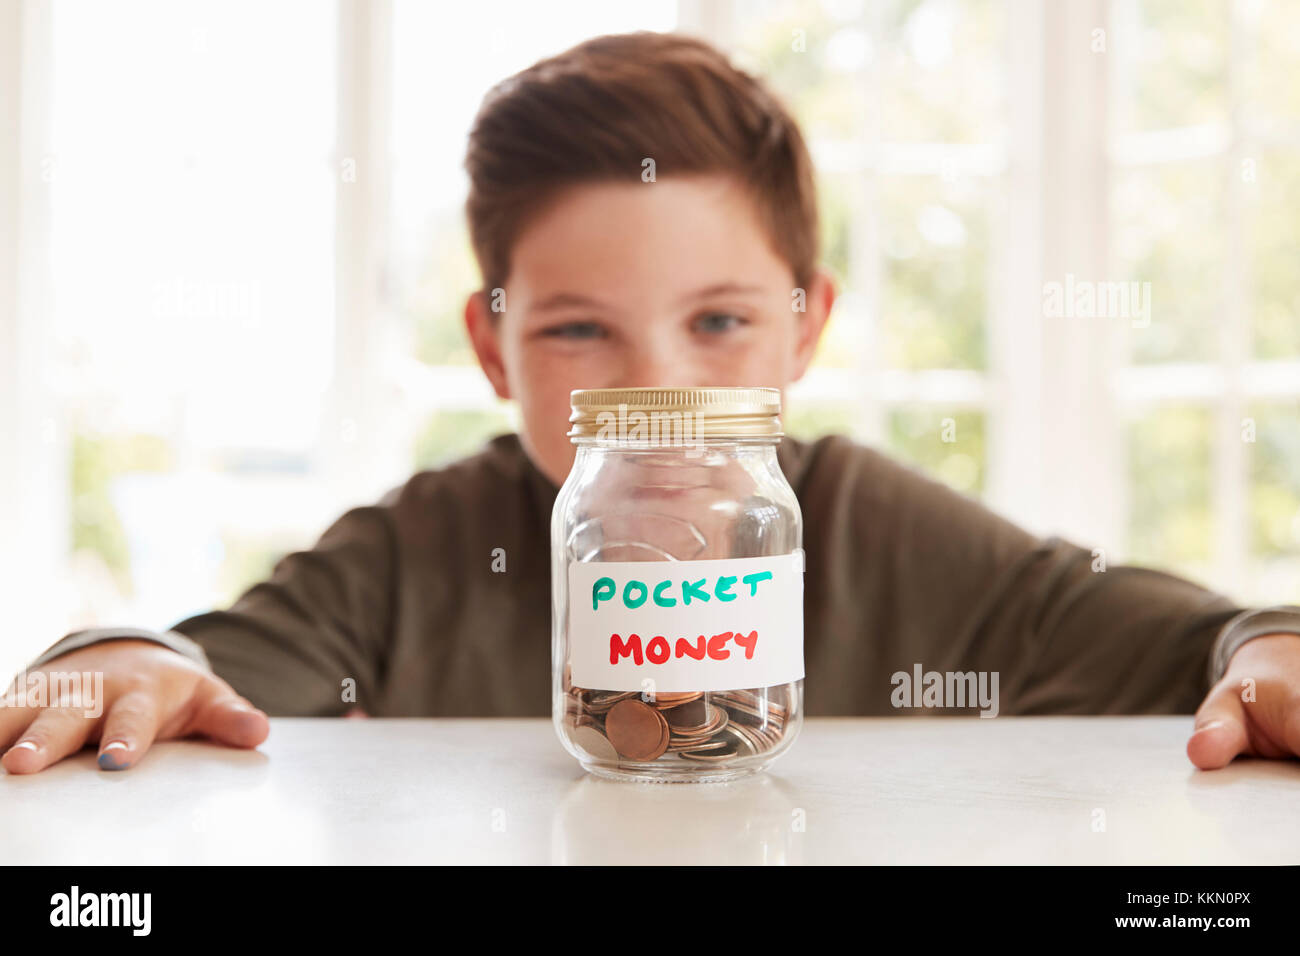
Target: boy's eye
{"type": "Point", "coordinates": [574, 330]}
{"type": "Point", "coordinates": [712, 323]}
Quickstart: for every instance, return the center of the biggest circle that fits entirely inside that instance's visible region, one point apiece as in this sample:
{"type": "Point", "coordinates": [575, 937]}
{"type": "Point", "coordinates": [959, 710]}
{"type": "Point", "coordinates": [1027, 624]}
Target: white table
{"type": "Point", "coordinates": [889, 790]}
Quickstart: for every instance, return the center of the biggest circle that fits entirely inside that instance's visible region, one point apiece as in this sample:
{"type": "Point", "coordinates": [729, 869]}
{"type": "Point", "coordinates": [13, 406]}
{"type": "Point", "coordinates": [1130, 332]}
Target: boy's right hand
{"type": "Point", "coordinates": [150, 692]}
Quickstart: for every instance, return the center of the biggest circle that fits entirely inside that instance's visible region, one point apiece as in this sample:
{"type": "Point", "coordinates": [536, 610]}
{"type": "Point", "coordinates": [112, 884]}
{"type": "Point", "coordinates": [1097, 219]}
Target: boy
{"type": "Point", "coordinates": [683, 278]}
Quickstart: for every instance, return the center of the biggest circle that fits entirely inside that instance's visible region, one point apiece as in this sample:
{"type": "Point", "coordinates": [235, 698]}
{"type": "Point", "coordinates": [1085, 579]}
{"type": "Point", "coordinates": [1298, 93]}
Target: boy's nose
{"type": "Point", "coordinates": [660, 374]}
{"type": "Point", "coordinates": [658, 364]}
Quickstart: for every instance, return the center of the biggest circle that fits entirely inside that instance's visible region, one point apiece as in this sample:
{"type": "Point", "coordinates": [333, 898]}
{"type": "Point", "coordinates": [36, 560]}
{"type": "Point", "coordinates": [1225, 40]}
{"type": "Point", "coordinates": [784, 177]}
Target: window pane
{"type": "Point", "coordinates": [1271, 94]}
{"type": "Point", "coordinates": [434, 300]}
{"type": "Point", "coordinates": [836, 195]}
{"type": "Point", "coordinates": [808, 420]}
{"type": "Point", "coordinates": [1170, 232]}
{"type": "Point", "coordinates": [192, 222]}
{"type": "Point", "coordinates": [943, 78]}
{"type": "Point", "coordinates": [813, 54]}
{"type": "Point", "coordinates": [1275, 480]}
{"type": "Point", "coordinates": [1273, 230]}
{"type": "Point", "coordinates": [454, 433]}
{"type": "Point", "coordinates": [1175, 63]}
{"type": "Point", "coordinates": [1170, 523]}
{"type": "Point", "coordinates": [950, 446]}
{"type": "Point", "coordinates": [935, 240]}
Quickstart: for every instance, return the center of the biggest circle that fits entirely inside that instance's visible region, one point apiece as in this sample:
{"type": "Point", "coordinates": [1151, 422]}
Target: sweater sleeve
{"type": "Point", "coordinates": [941, 580]}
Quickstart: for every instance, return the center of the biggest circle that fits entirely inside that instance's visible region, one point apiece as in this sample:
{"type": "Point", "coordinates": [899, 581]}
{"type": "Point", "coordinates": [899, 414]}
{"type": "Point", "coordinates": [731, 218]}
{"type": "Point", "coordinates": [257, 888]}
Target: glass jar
{"type": "Point", "coordinates": [677, 585]}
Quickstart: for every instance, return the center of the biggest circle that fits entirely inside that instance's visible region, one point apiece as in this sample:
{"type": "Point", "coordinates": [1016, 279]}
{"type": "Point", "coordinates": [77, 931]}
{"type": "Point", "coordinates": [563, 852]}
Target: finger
{"type": "Point", "coordinates": [230, 719]}
{"type": "Point", "coordinates": [15, 717]}
{"type": "Point", "coordinates": [1219, 733]}
{"type": "Point", "coordinates": [1291, 724]}
{"type": "Point", "coordinates": [129, 729]}
{"type": "Point", "coordinates": [55, 733]}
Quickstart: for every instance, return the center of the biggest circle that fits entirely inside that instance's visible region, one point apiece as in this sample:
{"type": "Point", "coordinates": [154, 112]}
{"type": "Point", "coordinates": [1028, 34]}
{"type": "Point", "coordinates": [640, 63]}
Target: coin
{"type": "Point", "coordinates": [725, 752]}
{"type": "Point", "coordinates": [600, 701]}
{"type": "Point", "coordinates": [637, 730]}
{"type": "Point", "coordinates": [590, 739]}
{"type": "Point", "coordinates": [695, 745]}
{"type": "Point", "coordinates": [665, 701]}
{"type": "Point", "coordinates": [688, 716]}
{"type": "Point", "coordinates": [746, 742]}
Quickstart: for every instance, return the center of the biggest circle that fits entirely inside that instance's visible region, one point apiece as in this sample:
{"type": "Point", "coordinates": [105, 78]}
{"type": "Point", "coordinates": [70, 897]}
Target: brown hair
{"type": "Point", "coordinates": [596, 111]}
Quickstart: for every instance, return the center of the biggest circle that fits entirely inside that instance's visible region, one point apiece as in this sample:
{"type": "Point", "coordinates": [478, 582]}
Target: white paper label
{"type": "Point", "coordinates": [676, 626]}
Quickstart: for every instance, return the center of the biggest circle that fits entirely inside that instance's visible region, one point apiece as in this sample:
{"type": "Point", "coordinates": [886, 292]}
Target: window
{"type": "Point", "coordinates": [1204, 200]}
{"type": "Point", "coordinates": [189, 180]}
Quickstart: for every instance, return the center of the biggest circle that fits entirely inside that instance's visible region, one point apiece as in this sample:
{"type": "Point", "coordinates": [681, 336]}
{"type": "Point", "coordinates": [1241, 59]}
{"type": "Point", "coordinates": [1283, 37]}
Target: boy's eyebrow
{"type": "Point", "coordinates": [722, 288]}
{"type": "Point", "coordinates": [561, 300]}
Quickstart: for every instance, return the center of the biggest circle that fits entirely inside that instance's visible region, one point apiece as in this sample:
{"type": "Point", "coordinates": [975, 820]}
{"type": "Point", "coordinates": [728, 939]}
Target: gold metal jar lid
{"type": "Point", "coordinates": [671, 416]}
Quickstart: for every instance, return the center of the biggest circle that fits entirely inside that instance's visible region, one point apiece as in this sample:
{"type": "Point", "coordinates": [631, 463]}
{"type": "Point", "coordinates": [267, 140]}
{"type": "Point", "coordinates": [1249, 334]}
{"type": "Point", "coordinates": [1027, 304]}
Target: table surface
{"type": "Point", "coordinates": [881, 790]}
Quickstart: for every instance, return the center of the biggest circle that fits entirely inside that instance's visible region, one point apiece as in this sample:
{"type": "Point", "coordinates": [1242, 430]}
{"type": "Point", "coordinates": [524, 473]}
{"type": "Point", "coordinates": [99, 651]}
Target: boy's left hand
{"type": "Point", "coordinates": [1254, 709]}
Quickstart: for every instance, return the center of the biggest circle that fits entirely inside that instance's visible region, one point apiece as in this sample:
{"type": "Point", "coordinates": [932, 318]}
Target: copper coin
{"type": "Point", "coordinates": [698, 747]}
{"type": "Point", "coordinates": [688, 716]}
{"type": "Point", "coordinates": [717, 720]}
{"type": "Point", "coordinates": [664, 701]}
{"type": "Point", "coordinates": [725, 752]}
{"type": "Point", "coordinates": [636, 730]}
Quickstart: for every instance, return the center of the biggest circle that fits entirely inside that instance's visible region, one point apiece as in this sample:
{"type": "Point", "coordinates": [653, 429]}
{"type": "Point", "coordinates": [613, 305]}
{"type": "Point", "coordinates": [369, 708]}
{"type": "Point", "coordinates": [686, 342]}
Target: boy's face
{"type": "Point", "coordinates": [671, 283]}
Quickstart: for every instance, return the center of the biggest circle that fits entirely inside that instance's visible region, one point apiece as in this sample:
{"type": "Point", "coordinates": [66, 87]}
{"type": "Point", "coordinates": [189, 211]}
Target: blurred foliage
{"type": "Point", "coordinates": [96, 460]}
{"type": "Point", "coordinates": [806, 81]}
{"type": "Point", "coordinates": [246, 561]}
{"type": "Point", "coordinates": [1273, 231]}
{"type": "Point", "coordinates": [936, 247]}
{"type": "Point", "coordinates": [808, 422]}
{"type": "Point", "coordinates": [1275, 480]}
{"type": "Point", "coordinates": [935, 61]}
{"type": "Point", "coordinates": [1179, 64]}
{"type": "Point", "coordinates": [1169, 231]}
{"type": "Point", "coordinates": [1269, 90]}
{"type": "Point", "coordinates": [435, 306]}
{"type": "Point", "coordinates": [917, 435]}
{"type": "Point", "coordinates": [836, 214]}
{"type": "Point", "coordinates": [456, 433]}
{"type": "Point", "coordinates": [941, 76]}
{"type": "Point", "coordinates": [1170, 520]}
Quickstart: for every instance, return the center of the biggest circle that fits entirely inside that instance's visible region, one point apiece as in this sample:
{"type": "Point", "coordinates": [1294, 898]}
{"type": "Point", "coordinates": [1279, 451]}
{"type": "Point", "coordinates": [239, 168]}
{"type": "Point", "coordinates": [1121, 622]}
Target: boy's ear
{"type": "Point", "coordinates": [484, 328]}
{"type": "Point", "coordinates": [817, 310]}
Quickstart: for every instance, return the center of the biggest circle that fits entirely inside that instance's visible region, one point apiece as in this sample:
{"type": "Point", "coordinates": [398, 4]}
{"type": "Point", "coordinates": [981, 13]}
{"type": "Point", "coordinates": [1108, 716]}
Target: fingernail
{"type": "Point", "coordinates": [108, 761]}
{"type": "Point", "coordinates": [26, 745]}
{"type": "Point", "coordinates": [1210, 726]}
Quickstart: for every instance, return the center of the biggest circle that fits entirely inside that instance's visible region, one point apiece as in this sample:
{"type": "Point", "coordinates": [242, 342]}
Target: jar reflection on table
{"type": "Point", "coordinates": [755, 821]}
